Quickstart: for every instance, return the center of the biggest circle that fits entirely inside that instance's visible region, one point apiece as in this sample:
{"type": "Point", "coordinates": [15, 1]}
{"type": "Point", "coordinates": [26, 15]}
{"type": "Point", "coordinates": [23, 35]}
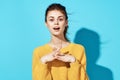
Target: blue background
{"type": "Point", "coordinates": [93, 23]}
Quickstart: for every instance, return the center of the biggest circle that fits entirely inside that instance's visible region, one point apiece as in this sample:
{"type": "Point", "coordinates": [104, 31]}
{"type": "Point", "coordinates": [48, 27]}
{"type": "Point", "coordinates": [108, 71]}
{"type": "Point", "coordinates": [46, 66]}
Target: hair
{"type": "Point", "coordinates": [62, 9]}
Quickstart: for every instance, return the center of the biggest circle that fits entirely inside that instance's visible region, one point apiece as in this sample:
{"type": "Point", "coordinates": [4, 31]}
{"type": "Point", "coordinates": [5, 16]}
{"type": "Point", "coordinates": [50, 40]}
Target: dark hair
{"type": "Point", "coordinates": [61, 8]}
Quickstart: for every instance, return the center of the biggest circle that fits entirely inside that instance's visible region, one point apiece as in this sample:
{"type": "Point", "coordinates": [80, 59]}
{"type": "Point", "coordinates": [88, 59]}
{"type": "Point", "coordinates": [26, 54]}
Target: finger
{"type": "Point", "coordinates": [63, 54]}
{"type": "Point", "coordinates": [60, 54]}
{"type": "Point", "coordinates": [61, 58]}
{"type": "Point", "coordinates": [57, 51]}
{"type": "Point", "coordinates": [54, 49]}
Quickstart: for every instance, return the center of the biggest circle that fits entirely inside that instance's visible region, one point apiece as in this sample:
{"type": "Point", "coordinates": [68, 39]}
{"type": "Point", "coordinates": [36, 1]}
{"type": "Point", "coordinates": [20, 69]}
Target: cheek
{"type": "Point", "coordinates": [48, 24]}
{"type": "Point", "coordinates": [65, 23]}
{"type": "Point", "coordinates": [63, 29]}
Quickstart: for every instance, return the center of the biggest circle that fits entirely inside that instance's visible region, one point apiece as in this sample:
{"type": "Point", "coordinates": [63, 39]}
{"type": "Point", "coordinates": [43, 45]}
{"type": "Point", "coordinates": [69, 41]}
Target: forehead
{"type": "Point", "coordinates": [55, 13]}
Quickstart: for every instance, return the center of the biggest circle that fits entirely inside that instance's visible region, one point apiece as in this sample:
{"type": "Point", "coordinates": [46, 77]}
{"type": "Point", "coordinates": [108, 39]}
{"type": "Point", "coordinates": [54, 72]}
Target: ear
{"type": "Point", "coordinates": [66, 23]}
{"type": "Point", "coordinates": [46, 24]}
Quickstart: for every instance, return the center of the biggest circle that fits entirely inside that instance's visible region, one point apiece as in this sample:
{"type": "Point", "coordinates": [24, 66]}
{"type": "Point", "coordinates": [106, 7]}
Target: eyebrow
{"type": "Point", "coordinates": [58, 16]}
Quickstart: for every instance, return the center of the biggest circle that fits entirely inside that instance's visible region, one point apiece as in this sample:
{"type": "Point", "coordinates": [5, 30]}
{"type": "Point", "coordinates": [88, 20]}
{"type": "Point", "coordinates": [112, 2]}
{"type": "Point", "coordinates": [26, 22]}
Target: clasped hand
{"type": "Point", "coordinates": [56, 54]}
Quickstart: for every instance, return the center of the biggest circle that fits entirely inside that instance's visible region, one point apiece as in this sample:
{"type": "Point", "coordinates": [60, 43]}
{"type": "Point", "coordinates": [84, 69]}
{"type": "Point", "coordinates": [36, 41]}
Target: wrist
{"type": "Point", "coordinates": [43, 60]}
{"type": "Point", "coordinates": [72, 60]}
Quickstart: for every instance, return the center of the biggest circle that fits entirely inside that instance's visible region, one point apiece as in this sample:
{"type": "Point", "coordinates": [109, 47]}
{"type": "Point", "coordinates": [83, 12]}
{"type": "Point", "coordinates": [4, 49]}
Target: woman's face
{"type": "Point", "coordinates": [56, 22]}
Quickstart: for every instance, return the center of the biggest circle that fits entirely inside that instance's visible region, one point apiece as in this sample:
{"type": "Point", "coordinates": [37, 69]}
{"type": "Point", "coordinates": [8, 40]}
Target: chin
{"type": "Point", "coordinates": [56, 34]}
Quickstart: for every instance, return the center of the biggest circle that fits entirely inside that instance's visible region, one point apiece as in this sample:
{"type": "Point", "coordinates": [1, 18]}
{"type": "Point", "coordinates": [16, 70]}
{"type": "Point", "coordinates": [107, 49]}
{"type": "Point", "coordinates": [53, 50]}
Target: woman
{"type": "Point", "coordinates": [59, 59]}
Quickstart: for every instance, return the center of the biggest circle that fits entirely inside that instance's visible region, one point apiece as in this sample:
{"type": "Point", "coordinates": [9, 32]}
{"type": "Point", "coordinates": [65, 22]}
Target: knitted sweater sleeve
{"type": "Point", "coordinates": [40, 71]}
{"type": "Point", "coordinates": [77, 70]}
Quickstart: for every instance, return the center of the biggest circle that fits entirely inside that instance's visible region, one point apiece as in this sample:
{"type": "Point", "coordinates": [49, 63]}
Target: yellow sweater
{"type": "Point", "coordinates": [58, 70]}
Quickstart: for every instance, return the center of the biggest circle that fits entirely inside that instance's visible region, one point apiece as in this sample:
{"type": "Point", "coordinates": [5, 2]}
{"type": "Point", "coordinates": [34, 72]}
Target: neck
{"type": "Point", "coordinates": [57, 41]}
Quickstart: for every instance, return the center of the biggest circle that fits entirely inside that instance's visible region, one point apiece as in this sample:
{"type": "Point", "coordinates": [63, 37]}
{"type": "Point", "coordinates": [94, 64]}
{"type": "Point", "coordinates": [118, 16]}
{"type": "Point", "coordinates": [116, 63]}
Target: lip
{"type": "Point", "coordinates": [56, 28]}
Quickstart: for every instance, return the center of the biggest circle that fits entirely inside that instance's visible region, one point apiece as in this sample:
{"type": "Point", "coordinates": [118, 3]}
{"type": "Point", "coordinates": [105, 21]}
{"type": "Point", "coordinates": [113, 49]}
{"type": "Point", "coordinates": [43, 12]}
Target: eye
{"type": "Point", "coordinates": [61, 19]}
{"type": "Point", "coordinates": [51, 20]}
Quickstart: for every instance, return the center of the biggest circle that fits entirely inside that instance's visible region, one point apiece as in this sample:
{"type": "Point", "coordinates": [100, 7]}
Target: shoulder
{"type": "Point", "coordinates": [41, 48]}
{"type": "Point", "coordinates": [78, 46]}
{"type": "Point", "coordinates": [77, 50]}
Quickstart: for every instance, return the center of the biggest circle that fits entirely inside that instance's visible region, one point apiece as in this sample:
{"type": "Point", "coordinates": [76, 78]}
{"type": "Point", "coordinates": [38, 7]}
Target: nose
{"type": "Point", "coordinates": [56, 22]}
